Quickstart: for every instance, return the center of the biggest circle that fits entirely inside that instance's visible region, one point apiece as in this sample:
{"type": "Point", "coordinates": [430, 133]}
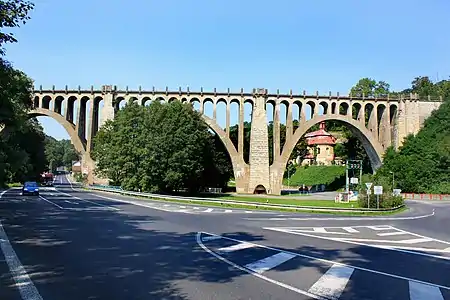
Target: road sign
{"type": "Point", "coordinates": [369, 192]}
{"type": "Point", "coordinates": [378, 190]}
{"type": "Point", "coordinates": [368, 185]}
{"type": "Point", "coordinates": [354, 180]}
{"type": "Point", "coordinates": [396, 192]}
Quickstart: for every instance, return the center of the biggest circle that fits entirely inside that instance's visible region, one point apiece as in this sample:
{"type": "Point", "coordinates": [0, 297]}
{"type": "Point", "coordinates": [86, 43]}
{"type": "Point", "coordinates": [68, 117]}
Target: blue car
{"type": "Point", "coordinates": [30, 187]}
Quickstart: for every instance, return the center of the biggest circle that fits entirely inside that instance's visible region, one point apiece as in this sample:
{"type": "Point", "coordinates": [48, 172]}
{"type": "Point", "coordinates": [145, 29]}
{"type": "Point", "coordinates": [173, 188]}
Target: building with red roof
{"type": "Point", "coordinates": [320, 147]}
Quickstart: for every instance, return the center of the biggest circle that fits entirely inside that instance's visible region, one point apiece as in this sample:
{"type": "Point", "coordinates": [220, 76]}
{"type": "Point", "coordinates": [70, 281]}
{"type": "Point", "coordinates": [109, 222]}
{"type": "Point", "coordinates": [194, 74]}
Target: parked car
{"type": "Point", "coordinates": [30, 187]}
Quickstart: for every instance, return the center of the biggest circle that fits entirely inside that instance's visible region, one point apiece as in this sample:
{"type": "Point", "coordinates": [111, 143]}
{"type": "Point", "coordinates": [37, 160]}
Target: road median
{"type": "Point", "coordinates": [249, 204]}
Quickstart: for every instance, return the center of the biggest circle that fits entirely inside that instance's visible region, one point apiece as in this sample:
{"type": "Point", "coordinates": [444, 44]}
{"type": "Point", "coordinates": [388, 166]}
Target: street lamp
{"type": "Point", "coordinates": [393, 182]}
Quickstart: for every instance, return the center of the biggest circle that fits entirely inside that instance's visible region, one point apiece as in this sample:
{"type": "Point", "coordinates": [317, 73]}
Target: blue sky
{"type": "Point", "coordinates": [286, 44]}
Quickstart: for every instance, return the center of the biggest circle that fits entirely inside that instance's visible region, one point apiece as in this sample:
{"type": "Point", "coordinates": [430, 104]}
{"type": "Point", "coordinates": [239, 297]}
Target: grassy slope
{"type": "Point", "coordinates": [314, 175]}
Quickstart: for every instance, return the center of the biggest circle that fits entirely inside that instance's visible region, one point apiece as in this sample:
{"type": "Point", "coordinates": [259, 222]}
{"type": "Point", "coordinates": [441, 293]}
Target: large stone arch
{"type": "Point", "coordinates": [370, 143]}
{"type": "Point", "coordinates": [237, 160]}
{"type": "Point", "coordinates": [69, 127]}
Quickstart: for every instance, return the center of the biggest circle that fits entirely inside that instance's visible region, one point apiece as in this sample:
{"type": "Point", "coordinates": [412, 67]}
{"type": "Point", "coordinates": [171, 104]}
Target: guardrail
{"type": "Point", "coordinates": [414, 196]}
{"type": "Point", "coordinates": [242, 203]}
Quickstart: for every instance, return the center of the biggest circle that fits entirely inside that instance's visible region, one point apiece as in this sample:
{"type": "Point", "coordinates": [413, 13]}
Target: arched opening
{"type": "Point", "coordinates": [372, 152]}
{"type": "Point", "coordinates": [173, 99]}
{"type": "Point", "coordinates": [58, 104]}
{"type": "Point", "coordinates": [146, 101]}
{"type": "Point", "coordinates": [260, 189]}
{"type": "Point", "coordinates": [36, 102]}
{"type": "Point", "coordinates": [323, 108]}
{"type": "Point", "coordinates": [343, 108]}
{"type": "Point", "coordinates": [196, 105]}
{"type": "Point", "coordinates": [208, 107]}
{"type": "Point", "coordinates": [221, 113]}
{"type": "Point", "coordinates": [333, 107]}
{"type": "Point", "coordinates": [46, 102]}
{"type": "Point", "coordinates": [119, 103]}
{"type": "Point", "coordinates": [356, 109]}
{"type": "Point", "coordinates": [70, 109]}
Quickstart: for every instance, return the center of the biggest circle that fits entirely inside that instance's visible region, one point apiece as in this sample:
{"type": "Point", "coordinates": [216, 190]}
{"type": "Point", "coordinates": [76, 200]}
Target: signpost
{"type": "Point", "coordinates": [378, 190]}
{"type": "Point", "coordinates": [369, 191]}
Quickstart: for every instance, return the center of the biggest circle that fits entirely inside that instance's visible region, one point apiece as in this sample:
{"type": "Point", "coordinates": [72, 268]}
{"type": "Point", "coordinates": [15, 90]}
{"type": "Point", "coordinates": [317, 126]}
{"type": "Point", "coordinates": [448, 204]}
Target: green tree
{"type": "Point", "coordinates": [161, 147]}
{"type": "Point", "coordinates": [370, 88]}
{"type": "Point", "coordinates": [60, 153]}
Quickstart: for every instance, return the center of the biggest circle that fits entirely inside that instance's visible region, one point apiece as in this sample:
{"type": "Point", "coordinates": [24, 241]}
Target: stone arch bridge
{"type": "Point", "coordinates": [377, 122]}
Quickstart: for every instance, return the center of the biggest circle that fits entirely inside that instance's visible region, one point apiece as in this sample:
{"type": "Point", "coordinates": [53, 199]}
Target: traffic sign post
{"type": "Point", "coordinates": [369, 191]}
{"type": "Point", "coordinates": [378, 190]}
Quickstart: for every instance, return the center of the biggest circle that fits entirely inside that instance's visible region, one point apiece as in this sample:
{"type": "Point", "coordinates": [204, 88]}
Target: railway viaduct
{"type": "Point", "coordinates": [378, 122]}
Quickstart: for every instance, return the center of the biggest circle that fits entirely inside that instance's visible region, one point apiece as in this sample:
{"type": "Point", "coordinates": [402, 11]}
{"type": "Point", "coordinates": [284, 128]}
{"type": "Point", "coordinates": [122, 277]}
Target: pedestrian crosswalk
{"type": "Point", "coordinates": [316, 277]}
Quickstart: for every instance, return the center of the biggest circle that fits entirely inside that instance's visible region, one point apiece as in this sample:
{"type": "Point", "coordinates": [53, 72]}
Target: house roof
{"type": "Point", "coordinates": [320, 137]}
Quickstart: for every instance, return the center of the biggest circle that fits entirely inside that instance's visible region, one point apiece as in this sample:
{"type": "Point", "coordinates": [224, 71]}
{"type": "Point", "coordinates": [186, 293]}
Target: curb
{"type": "Point", "coordinates": [243, 203]}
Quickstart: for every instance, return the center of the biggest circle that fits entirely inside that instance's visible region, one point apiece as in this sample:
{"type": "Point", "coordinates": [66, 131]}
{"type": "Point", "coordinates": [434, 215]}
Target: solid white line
{"type": "Point", "coordinates": [380, 227]}
{"type": "Point", "coordinates": [390, 233]}
{"type": "Point", "coordinates": [23, 282]}
{"type": "Point", "coordinates": [182, 206]}
{"type": "Point", "coordinates": [319, 229]}
{"type": "Point", "coordinates": [236, 247]}
{"type": "Point", "coordinates": [228, 210]}
{"type": "Point", "coordinates": [270, 262]}
{"type": "Point", "coordinates": [333, 282]}
{"type": "Point", "coordinates": [344, 218]}
{"type": "Point", "coordinates": [409, 241]}
{"type": "Point", "coordinates": [208, 210]}
{"type": "Point", "coordinates": [51, 202]}
{"type": "Point", "coordinates": [260, 276]}
{"type": "Point", "coordinates": [350, 229]}
{"type": "Point", "coordinates": [211, 238]}
{"type": "Point", "coordinates": [447, 249]}
{"type": "Point", "coordinates": [317, 259]}
{"type": "Point", "coordinates": [398, 249]}
{"type": "Point", "coordinates": [419, 291]}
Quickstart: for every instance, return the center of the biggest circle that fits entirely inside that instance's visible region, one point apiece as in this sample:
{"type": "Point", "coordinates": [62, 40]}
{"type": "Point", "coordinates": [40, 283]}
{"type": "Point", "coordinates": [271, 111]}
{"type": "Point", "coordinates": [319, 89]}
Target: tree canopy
{"type": "Point", "coordinates": [22, 154]}
{"type": "Point", "coordinates": [60, 153]}
{"type": "Point", "coordinates": [162, 147]}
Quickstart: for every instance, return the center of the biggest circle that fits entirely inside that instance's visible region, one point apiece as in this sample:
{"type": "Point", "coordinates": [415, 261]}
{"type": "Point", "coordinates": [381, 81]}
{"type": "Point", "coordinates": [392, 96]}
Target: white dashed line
{"type": "Point", "coordinates": [270, 262]}
{"type": "Point", "coordinates": [419, 291]}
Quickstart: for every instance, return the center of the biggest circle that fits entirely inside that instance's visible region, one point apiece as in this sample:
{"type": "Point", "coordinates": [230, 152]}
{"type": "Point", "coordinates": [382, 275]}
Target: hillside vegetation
{"type": "Point", "coordinates": [422, 164]}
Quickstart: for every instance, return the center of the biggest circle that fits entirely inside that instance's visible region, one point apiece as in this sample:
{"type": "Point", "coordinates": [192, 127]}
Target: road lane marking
{"type": "Point", "coordinates": [380, 227]}
{"type": "Point", "coordinates": [88, 201]}
{"type": "Point", "coordinates": [138, 204]}
{"type": "Point", "coordinates": [236, 247]}
{"type": "Point", "coordinates": [419, 291]}
{"type": "Point", "coordinates": [2, 193]}
{"type": "Point", "coordinates": [23, 282]}
{"type": "Point", "coordinates": [270, 262]}
{"type": "Point", "coordinates": [350, 229]}
{"type": "Point", "coordinates": [390, 233]}
{"type": "Point", "coordinates": [208, 210]}
{"type": "Point", "coordinates": [333, 282]}
{"type": "Point", "coordinates": [260, 276]}
{"type": "Point", "coordinates": [319, 229]}
{"type": "Point", "coordinates": [200, 243]}
{"type": "Point", "coordinates": [51, 202]}
{"type": "Point", "coordinates": [228, 211]}
{"type": "Point", "coordinates": [211, 238]}
{"type": "Point", "coordinates": [409, 241]}
{"type": "Point", "coordinates": [344, 218]}
{"type": "Point", "coordinates": [397, 248]}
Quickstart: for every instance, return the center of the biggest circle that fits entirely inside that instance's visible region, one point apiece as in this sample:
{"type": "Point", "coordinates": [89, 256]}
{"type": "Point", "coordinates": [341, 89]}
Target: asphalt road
{"type": "Point", "coordinates": [75, 244]}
